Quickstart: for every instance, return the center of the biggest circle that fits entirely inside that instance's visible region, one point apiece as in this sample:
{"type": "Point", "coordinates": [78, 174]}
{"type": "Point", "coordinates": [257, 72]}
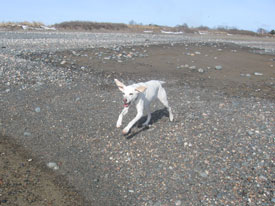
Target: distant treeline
{"type": "Point", "coordinates": [88, 26]}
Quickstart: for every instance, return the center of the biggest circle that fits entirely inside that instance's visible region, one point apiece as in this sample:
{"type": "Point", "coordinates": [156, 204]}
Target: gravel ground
{"type": "Point", "coordinates": [24, 182]}
{"type": "Point", "coordinates": [62, 109]}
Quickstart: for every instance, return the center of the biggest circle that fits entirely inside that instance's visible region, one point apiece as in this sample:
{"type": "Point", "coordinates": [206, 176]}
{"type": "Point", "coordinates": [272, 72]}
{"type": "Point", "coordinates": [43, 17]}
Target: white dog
{"type": "Point", "coordinates": [141, 94]}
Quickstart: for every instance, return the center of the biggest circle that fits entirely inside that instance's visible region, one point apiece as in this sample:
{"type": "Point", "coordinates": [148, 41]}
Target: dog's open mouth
{"type": "Point", "coordinates": [125, 103]}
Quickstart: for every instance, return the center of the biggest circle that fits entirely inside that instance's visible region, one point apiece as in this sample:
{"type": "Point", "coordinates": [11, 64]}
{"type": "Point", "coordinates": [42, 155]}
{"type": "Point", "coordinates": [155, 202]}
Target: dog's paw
{"type": "Point", "coordinates": [171, 117]}
{"type": "Point", "coordinates": [125, 131]}
{"type": "Point", "coordinates": [145, 124]}
{"type": "Point", "coordinates": [118, 125]}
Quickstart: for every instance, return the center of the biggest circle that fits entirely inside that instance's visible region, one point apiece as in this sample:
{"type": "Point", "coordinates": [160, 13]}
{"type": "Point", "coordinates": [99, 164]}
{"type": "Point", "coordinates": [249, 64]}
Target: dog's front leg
{"type": "Point", "coordinates": [138, 116]}
{"type": "Point", "coordinates": [124, 112]}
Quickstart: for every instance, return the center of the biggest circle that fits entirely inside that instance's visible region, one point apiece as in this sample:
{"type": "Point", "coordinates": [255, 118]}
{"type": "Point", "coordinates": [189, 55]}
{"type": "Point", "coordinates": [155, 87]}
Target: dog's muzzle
{"type": "Point", "coordinates": [125, 104]}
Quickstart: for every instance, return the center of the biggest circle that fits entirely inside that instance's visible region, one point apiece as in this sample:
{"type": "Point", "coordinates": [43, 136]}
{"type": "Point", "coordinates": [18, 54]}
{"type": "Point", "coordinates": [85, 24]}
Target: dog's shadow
{"type": "Point", "coordinates": [156, 116]}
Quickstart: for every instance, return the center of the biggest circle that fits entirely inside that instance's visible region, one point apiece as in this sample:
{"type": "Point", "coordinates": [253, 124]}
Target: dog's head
{"type": "Point", "coordinates": [130, 93]}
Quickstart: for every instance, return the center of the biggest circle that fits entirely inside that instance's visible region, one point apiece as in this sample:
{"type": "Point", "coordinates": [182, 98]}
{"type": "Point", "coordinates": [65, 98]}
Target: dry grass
{"type": "Point", "coordinates": [19, 25]}
{"type": "Point", "coordinates": [238, 31]}
{"type": "Point", "coordinates": [144, 27]}
{"type": "Point", "coordinates": [24, 23]}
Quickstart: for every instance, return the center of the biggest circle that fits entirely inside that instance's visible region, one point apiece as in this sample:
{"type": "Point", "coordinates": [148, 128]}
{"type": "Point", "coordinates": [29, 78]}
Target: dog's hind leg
{"type": "Point", "coordinates": [163, 99]}
{"type": "Point", "coordinates": [147, 110]}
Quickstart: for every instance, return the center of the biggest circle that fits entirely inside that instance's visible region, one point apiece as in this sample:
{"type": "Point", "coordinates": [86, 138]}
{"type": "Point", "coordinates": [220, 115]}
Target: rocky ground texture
{"type": "Point", "coordinates": [59, 105]}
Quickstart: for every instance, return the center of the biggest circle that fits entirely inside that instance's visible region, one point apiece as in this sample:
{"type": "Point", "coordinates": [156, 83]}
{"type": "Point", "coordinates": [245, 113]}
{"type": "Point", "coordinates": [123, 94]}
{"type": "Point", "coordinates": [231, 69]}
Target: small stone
{"type": "Point", "coordinates": [37, 109]}
{"type": "Point", "coordinates": [197, 52]}
{"type": "Point", "coordinates": [116, 49]}
{"type": "Point", "coordinates": [219, 67]}
{"type": "Point", "coordinates": [131, 191]}
{"type": "Point", "coordinates": [107, 58]}
{"type": "Point", "coordinates": [27, 134]}
{"type": "Point", "coordinates": [130, 55]}
{"type": "Point", "coordinates": [245, 75]}
{"type": "Point", "coordinates": [200, 70]}
{"type": "Point", "coordinates": [203, 174]}
{"type": "Point", "coordinates": [258, 74]}
{"type": "Point", "coordinates": [192, 67]}
{"type": "Point", "coordinates": [250, 133]}
{"type": "Point", "coordinates": [53, 165]}
{"type": "Point", "coordinates": [263, 178]}
{"type": "Point", "coordinates": [159, 203]}
{"type": "Point", "coordinates": [63, 62]}
{"type": "Point", "coordinates": [178, 203]}
{"type": "Point", "coordinates": [182, 66]}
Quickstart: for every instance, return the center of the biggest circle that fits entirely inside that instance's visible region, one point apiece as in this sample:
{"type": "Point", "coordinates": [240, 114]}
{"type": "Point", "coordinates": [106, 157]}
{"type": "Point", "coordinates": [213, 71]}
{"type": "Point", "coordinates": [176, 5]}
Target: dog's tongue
{"type": "Point", "coordinates": [125, 103]}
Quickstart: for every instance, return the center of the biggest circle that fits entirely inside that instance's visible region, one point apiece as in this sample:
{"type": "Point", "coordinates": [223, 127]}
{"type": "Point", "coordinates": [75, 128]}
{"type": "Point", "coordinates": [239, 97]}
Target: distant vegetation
{"type": "Point", "coordinates": [236, 31]}
{"type": "Point", "coordinates": [89, 26]}
{"type": "Point", "coordinates": [131, 27]}
{"type": "Point", "coordinates": [21, 25]}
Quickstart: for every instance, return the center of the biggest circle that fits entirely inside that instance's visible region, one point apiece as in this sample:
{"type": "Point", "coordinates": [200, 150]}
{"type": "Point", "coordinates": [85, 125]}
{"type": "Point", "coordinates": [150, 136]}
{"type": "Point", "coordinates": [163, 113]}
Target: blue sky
{"type": "Point", "coordinates": [242, 14]}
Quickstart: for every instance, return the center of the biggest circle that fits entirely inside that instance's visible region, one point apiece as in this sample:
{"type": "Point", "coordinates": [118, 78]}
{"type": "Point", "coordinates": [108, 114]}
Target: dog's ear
{"type": "Point", "coordinates": [120, 85]}
{"type": "Point", "coordinates": [141, 88]}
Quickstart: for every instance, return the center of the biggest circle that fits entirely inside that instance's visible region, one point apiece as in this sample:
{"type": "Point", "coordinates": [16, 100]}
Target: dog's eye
{"type": "Point", "coordinates": [131, 94]}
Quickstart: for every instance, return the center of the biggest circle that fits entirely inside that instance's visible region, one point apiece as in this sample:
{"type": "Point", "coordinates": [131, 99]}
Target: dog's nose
{"type": "Point", "coordinates": [125, 100]}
